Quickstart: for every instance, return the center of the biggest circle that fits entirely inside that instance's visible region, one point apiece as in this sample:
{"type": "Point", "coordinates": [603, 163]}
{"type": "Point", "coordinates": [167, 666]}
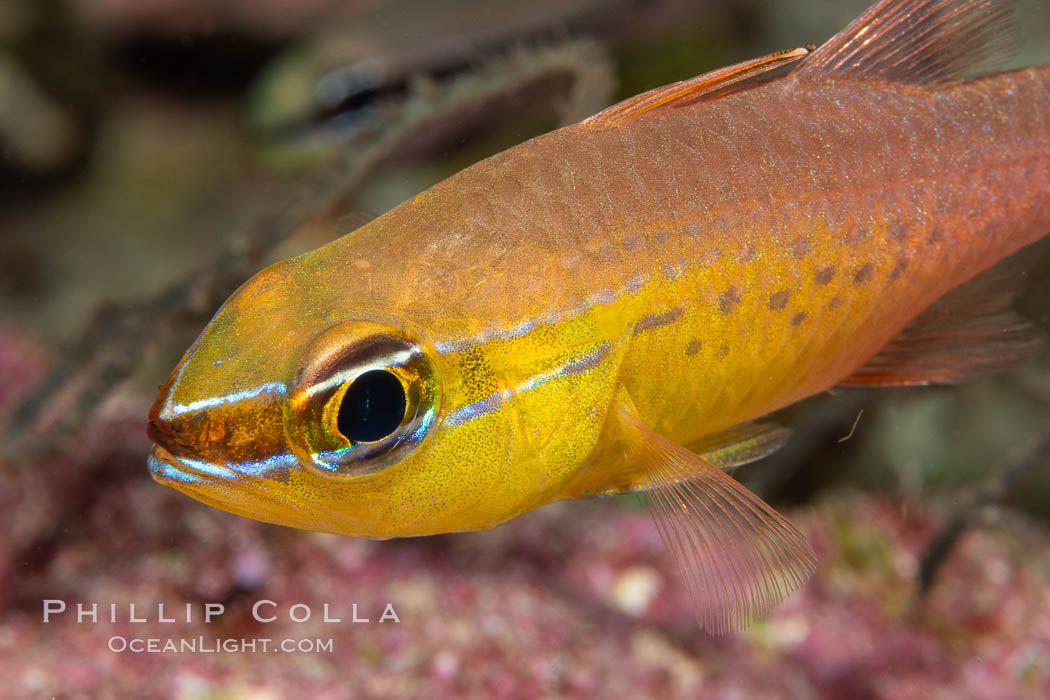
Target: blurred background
{"type": "Point", "coordinates": [155, 153]}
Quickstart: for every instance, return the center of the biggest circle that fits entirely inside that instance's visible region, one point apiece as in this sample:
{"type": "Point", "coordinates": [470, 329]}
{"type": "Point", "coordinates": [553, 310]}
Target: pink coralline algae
{"type": "Point", "coordinates": [575, 600]}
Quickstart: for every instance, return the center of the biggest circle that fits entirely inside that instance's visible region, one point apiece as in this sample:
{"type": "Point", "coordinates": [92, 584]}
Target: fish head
{"type": "Point", "coordinates": [294, 410]}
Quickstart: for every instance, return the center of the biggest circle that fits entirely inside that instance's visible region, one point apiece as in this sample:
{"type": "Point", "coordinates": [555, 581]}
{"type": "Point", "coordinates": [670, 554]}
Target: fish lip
{"type": "Point", "coordinates": [161, 463]}
{"type": "Point", "coordinates": [169, 470]}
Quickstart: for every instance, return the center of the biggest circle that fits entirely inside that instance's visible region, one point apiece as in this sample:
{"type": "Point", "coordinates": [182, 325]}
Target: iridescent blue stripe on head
{"type": "Point", "coordinates": [212, 401]}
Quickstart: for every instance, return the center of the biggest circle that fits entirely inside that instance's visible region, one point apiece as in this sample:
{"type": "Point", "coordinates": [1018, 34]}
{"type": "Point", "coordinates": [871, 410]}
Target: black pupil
{"type": "Point", "coordinates": [372, 407]}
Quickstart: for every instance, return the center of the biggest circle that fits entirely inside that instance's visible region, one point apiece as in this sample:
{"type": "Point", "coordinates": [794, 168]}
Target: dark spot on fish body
{"type": "Point", "coordinates": [778, 300]}
{"type": "Point", "coordinates": [723, 350]}
{"type": "Point", "coordinates": [693, 347]}
{"type": "Point", "coordinates": [935, 235]}
{"type": "Point", "coordinates": [835, 302]}
{"type": "Point", "coordinates": [825, 275]}
{"type": "Point", "coordinates": [728, 301]}
{"type": "Point", "coordinates": [651, 321]}
{"type": "Point", "coordinates": [799, 248]}
{"type": "Point", "coordinates": [863, 274]}
{"type": "Point", "coordinates": [898, 269]}
{"type": "Point", "coordinates": [798, 318]}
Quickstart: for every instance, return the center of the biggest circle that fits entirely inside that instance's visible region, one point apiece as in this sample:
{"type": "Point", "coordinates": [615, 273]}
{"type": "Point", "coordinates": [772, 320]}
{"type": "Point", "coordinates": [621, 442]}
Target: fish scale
{"type": "Point", "coordinates": [1009, 190]}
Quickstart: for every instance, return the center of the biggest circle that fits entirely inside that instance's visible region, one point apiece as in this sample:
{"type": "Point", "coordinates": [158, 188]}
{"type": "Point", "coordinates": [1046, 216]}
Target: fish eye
{"type": "Point", "coordinates": [364, 394]}
{"type": "Point", "coordinates": [372, 407]}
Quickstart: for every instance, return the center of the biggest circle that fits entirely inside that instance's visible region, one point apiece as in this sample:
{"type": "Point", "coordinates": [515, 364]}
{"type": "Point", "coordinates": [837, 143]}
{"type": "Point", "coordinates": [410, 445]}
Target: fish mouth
{"type": "Point", "coordinates": [182, 471]}
{"type": "Point", "coordinates": [169, 470]}
{"type": "Point", "coordinates": [222, 487]}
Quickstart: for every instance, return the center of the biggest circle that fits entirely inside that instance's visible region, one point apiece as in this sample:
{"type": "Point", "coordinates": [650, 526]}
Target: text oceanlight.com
{"type": "Point", "coordinates": [203, 645]}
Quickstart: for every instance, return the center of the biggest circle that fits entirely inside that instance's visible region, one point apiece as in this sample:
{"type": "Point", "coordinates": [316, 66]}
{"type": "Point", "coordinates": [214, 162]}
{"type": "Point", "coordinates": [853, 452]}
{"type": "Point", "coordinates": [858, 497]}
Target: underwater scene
{"type": "Point", "coordinates": [546, 349]}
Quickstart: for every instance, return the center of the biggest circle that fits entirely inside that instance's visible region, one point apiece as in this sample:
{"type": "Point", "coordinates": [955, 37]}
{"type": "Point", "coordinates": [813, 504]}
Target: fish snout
{"type": "Point", "coordinates": [170, 432]}
{"type": "Point", "coordinates": [228, 430]}
{"type": "Point", "coordinates": [160, 431]}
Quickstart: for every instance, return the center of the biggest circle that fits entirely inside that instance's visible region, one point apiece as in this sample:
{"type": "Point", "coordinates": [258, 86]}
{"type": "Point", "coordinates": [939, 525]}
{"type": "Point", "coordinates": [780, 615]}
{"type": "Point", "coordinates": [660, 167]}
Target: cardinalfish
{"type": "Point", "coordinates": [613, 307]}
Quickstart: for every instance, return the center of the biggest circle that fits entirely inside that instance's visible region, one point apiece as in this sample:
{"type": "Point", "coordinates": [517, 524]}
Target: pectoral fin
{"type": "Point", "coordinates": [741, 444]}
{"type": "Point", "coordinates": [739, 557]}
{"type": "Point", "coordinates": [620, 472]}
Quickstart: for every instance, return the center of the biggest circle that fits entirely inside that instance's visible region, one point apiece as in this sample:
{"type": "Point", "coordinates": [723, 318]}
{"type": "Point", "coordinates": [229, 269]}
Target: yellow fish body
{"type": "Point", "coordinates": [566, 317]}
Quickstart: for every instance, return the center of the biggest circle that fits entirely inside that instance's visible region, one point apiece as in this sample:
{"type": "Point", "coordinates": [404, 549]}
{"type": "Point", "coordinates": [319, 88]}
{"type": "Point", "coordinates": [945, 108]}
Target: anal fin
{"type": "Point", "coordinates": [970, 332]}
{"type": "Point", "coordinates": [739, 557]}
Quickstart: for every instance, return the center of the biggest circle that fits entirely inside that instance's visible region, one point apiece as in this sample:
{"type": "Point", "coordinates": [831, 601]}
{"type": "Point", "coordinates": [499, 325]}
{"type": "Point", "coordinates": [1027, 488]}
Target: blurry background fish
{"type": "Point", "coordinates": [155, 154]}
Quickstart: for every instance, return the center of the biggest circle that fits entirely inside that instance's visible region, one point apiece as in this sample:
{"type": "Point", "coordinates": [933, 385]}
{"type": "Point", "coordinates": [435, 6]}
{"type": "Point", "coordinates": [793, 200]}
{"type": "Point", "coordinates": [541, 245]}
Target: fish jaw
{"type": "Point", "coordinates": [236, 433]}
{"type": "Point", "coordinates": [218, 423]}
{"type": "Point", "coordinates": [225, 488]}
{"type": "Point", "coordinates": [261, 480]}
{"type": "Point", "coordinates": [208, 449]}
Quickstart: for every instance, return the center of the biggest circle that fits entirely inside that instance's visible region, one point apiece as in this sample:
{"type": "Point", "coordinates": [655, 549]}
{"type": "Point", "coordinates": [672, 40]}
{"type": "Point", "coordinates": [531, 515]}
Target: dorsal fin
{"type": "Point", "coordinates": [689, 90]}
{"type": "Point", "coordinates": [917, 41]}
